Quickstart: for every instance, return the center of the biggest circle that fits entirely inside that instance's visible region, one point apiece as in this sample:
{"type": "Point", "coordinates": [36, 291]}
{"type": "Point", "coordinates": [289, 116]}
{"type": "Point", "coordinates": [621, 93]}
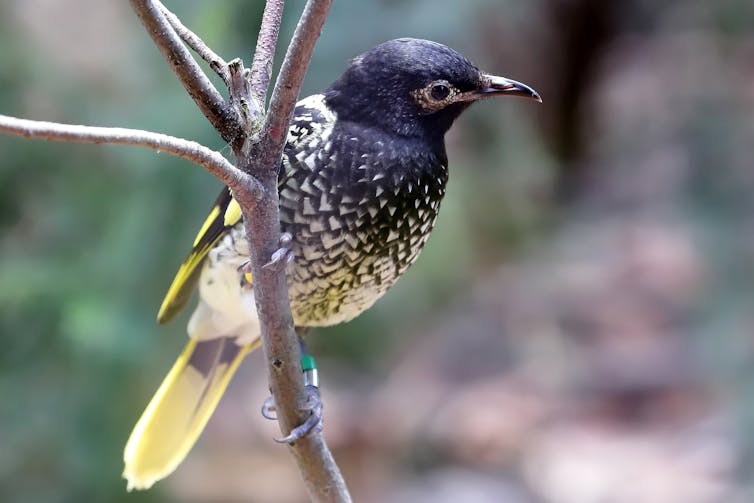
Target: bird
{"type": "Point", "coordinates": [362, 176]}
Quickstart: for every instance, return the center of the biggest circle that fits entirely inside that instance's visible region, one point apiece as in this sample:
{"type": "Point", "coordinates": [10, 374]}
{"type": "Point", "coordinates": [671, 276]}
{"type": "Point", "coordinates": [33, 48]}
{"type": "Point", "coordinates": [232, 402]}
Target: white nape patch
{"type": "Point", "coordinates": [317, 102]}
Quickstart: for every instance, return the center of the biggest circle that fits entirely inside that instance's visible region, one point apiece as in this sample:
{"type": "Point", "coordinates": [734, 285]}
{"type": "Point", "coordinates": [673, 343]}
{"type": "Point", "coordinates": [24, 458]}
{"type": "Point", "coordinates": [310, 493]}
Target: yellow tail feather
{"type": "Point", "coordinates": [178, 412]}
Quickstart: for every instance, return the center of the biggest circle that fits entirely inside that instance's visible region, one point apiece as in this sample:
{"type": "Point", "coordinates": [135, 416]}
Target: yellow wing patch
{"type": "Point", "coordinates": [182, 286]}
{"type": "Point", "coordinates": [224, 214]}
{"type": "Point", "coordinates": [205, 226]}
{"type": "Point", "coordinates": [232, 214]}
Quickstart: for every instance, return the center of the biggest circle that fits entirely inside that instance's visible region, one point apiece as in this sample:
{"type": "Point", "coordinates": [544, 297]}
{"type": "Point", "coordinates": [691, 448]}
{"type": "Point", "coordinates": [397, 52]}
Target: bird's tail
{"type": "Point", "coordinates": [178, 412]}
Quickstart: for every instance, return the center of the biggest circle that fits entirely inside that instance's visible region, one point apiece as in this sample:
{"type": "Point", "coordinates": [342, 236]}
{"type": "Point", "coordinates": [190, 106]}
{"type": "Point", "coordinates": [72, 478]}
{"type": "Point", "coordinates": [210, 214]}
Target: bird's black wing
{"type": "Point", "coordinates": [225, 214]}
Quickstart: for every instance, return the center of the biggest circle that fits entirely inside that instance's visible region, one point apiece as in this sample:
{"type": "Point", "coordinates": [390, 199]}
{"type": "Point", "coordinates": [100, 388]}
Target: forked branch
{"type": "Point", "coordinates": [257, 141]}
{"type": "Point", "coordinates": [258, 153]}
{"type": "Point", "coordinates": [205, 95]}
{"type": "Point", "coordinates": [215, 62]}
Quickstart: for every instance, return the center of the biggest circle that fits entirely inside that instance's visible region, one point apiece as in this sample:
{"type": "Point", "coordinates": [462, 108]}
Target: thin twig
{"type": "Point", "coordinates": [192, 151]}
{"type": "Point", "coordinates": [196, 83]}
{"type": "Point", "coordinates": [218, 64]}
{"type": "Point", "coordinates": [261, 67]}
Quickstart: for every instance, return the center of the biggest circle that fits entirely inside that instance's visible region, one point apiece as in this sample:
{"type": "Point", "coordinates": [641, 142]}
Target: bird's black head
{"type": "Point", "coordinates": [414, 88]}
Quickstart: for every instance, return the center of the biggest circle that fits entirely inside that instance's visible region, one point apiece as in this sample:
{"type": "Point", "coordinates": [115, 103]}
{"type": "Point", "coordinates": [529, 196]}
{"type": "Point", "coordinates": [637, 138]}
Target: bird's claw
{"type": "Point", "coordinates": [283, 255]}
{"type": "Point", "coordinates": [269, 411]}
{"type": "Point", "coordinates": [313, 423]}
{"type": "Point", "coordinates": [245, 270]}
{"type": "Point", "coordinates": [245, 267]}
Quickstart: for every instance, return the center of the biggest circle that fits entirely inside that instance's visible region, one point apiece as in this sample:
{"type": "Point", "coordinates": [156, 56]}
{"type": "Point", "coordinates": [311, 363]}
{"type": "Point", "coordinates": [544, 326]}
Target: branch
{"type": "Point", "coordinates": [192, 151]}
{"type": "Point", "coordinates": [196, 83]}
{"type": "Point", "coordinates": [322, 478]}
{"type": "Point", "coordinates": [218, 64]}
{"type": "Point", "coordinates": [261, 67]}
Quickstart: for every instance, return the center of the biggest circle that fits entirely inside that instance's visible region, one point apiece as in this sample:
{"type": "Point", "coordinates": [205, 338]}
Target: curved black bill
{"type": "Point", "coordinates": [501, 86]}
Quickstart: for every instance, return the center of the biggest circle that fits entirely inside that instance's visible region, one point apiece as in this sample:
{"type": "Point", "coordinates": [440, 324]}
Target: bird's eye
{"type": "Point", "coordinates": [439, 91]}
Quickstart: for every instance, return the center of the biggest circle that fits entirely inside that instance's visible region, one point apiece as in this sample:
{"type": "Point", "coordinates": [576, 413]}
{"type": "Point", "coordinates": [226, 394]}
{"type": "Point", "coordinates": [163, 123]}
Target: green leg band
{"type": "Point", "coordinates": [309, 366]}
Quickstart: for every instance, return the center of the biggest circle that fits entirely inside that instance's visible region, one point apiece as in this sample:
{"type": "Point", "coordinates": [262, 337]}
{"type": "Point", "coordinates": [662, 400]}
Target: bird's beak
{"type": "Point", "coordinates": [500, 86]}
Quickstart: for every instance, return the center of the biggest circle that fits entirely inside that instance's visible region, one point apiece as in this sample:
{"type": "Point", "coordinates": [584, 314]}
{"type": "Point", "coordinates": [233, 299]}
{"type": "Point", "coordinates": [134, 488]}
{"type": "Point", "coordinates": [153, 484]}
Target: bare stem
{"type": "Point", "coordinates": [261, 67]}
{"type": "Point", "coordinates": [192, 151]}
{"type": "Point", "coordinates": [218, 64]}
{"type": "Point", "coordinates": [196, 83]}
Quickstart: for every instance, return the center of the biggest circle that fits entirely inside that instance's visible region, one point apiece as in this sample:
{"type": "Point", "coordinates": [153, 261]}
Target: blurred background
{"type": "Point", "coordinates": [579, 328]}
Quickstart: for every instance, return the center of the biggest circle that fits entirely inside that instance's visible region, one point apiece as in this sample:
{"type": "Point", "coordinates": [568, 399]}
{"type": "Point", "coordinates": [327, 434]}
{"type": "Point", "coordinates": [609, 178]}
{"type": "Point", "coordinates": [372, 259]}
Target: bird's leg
{"type": "Point", "coordinates": [283, 255]}
{"type": "Point", "coordinates": [314, 422]}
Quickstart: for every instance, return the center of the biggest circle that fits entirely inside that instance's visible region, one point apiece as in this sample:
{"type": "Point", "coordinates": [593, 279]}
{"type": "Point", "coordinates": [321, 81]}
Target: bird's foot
{"type": "Point", "coordinates": [283, 255]}
{"type": "Point", "coordinates": [269, 410]}
{"type": "Point", "coordinates": [313, 423]}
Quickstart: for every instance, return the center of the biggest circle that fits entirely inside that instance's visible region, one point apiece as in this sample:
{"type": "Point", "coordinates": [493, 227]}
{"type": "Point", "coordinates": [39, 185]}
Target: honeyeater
{"type": "Point", "coordinates": [361, 180]}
